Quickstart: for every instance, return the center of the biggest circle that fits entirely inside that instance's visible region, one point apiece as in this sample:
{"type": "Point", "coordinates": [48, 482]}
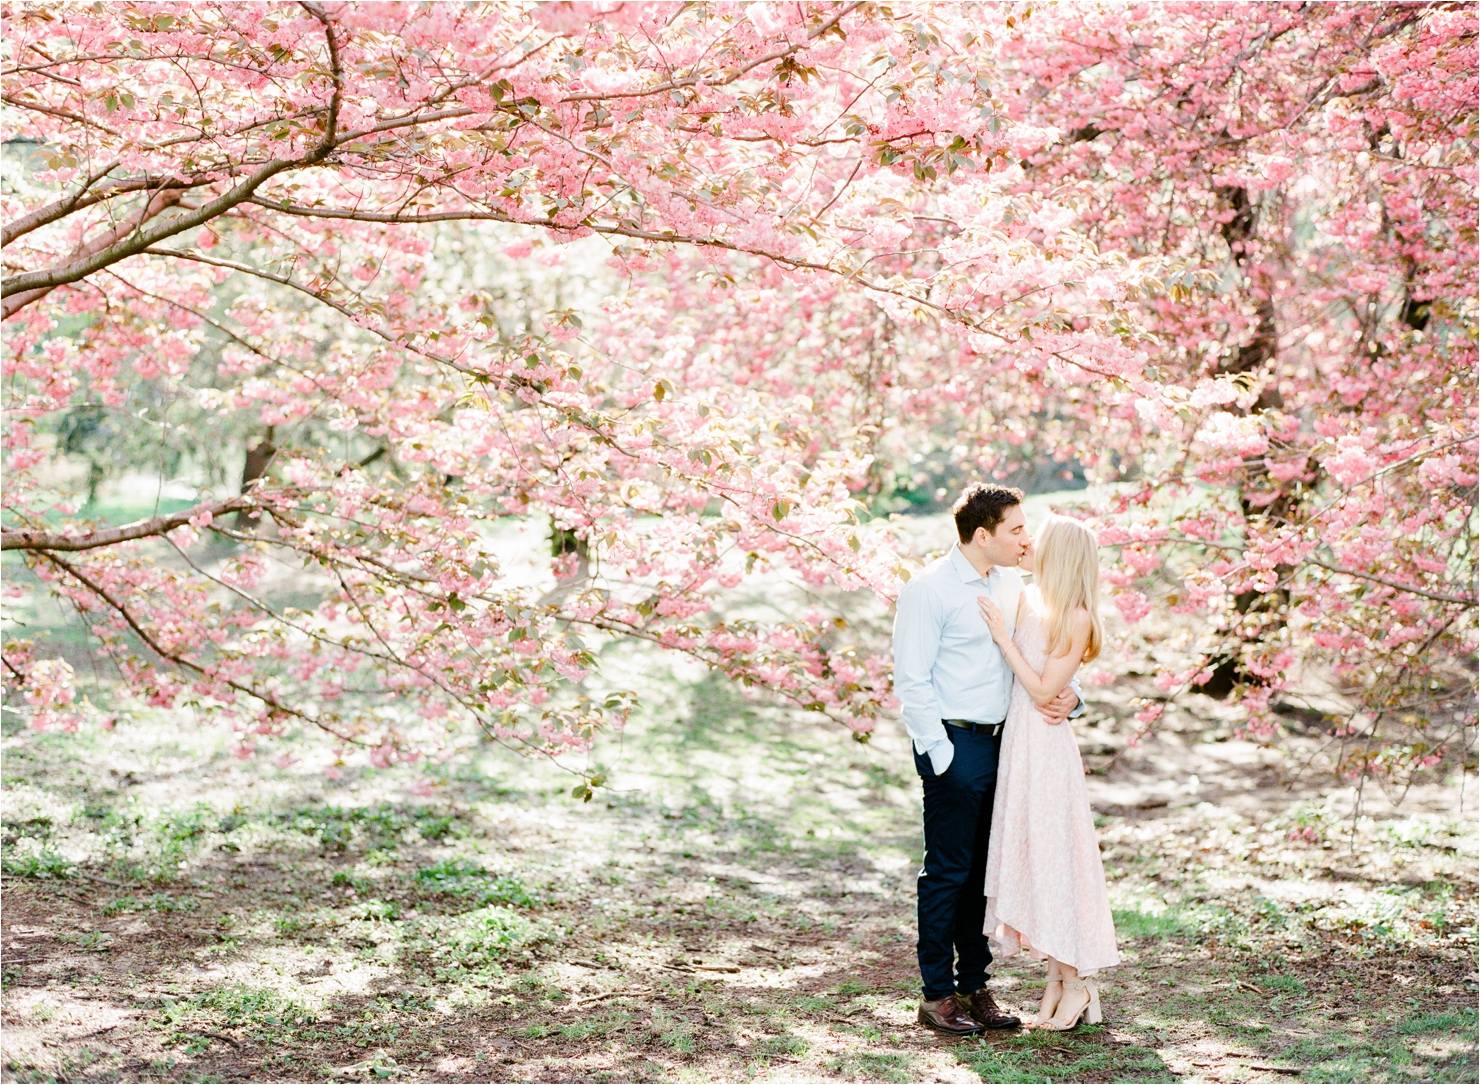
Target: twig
{"type": "Point", "coordinates": [99, 878]}
{"type": "Point", "coordinates": [610, 994]}
{"type": "Point", "coordinates": [86, 1035]}
{"type": "Point", "coordinates": [232, 1040]}
{"type": "Point", "coordinates": [1276, 1069]}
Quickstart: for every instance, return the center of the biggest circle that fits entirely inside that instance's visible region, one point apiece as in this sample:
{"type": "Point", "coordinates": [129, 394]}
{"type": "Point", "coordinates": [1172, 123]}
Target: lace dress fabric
{"type": "Point", "coordinates": [1045, 884]}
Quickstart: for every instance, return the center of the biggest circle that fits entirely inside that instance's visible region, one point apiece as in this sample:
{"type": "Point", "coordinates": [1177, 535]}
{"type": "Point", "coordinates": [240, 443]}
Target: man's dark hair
{"type": "Point", "coordinates": [983, 505]}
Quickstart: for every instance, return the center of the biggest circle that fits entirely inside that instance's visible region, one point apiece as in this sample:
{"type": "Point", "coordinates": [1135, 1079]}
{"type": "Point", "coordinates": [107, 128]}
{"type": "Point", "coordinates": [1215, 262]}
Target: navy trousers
{"type": "Point", "coordinates": [953, 950]}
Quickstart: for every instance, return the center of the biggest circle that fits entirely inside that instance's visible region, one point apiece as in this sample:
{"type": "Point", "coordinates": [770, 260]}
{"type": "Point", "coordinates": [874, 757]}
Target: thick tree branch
{"type": "Point", "coordinates": [131, 238]}
{"type": "Point", "coordinates": [20, 290]}
{"type": "Point", "coordinates": [140, 529]}
{"type": "Point", "coordinates": [158, 203]}
{"type": "Point", "coordinates": [65, 206]}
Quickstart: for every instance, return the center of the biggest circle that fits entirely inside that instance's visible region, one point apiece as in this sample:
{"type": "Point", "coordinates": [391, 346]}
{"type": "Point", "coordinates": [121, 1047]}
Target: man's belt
{"type": "Point", "coordinates": [990, 729]}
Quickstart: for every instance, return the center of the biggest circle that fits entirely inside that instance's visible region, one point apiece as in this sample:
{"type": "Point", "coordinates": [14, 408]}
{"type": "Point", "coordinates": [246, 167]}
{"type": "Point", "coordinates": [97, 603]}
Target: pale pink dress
{"type": "Point", "coordinates": [1045, 883]}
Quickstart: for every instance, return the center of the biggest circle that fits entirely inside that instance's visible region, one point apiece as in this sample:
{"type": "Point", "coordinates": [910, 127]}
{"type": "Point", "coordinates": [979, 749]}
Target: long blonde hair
{"type": "Point", "coordinates": [1066, 563]}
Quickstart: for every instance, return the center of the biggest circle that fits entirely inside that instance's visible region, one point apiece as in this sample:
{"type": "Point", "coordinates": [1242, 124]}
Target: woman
{"type": "Point", "coordinates": [1045, 884]}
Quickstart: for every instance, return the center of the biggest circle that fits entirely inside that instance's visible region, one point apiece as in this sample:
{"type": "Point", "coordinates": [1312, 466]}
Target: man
{"type": "Point", "coordinates": [953, 687]}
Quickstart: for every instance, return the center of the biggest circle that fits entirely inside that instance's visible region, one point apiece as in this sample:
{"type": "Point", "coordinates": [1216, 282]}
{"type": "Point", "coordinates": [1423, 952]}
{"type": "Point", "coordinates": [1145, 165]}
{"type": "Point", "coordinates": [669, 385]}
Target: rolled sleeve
{"type": "Point", "coordinates": [917, 631]}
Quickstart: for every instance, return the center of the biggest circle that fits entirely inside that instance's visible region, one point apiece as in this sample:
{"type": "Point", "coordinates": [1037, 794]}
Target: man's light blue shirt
{"type": "Point", "coordinates": [946, 665]}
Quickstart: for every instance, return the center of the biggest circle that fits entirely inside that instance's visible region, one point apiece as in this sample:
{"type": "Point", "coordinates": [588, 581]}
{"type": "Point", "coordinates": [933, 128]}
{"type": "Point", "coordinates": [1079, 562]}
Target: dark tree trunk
{"type": "Point", "coordinates": [1252, 356]}
{"type": "Point", "coordinates": [259, 457]}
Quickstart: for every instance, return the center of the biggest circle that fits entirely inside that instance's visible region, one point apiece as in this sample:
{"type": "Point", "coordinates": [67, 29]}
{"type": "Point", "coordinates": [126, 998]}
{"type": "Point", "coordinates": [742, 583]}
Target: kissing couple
{"type": "Point", "coordinates": [984, 672]}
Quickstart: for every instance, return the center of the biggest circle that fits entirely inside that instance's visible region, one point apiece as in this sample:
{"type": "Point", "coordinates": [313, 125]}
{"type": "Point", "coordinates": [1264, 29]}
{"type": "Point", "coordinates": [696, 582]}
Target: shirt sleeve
{"type": "Point", "coordinates": [1079, 708]}
{"type": "Point", "coordinates": [917, 630]}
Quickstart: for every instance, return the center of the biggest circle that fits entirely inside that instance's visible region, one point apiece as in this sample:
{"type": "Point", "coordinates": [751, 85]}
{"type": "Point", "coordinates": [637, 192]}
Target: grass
{"type": "Point", "coordinates": [873, 1066]}
{"type": "Point", "coordinates": [783, 1045]}
{"type": "Point", "coordinates": [1424, 1024]}
{"type": "Point", "coordinates": [1131, 924]}
{"type": "Point", "coordinates": [1081, 1055]}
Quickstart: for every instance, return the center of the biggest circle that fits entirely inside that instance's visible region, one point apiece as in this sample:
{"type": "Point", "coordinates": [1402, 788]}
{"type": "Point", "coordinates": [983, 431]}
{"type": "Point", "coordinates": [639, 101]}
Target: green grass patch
{"type": "Point", "coordinates": [1062, 1057]}
{"type": "Point", "coordinates": [595, 1025]}
{"type": "Point", "coordinates": [35, 863]}
{"type": "Point", "coordinates": [873, 1066]}
{"type": "Point", "coordinates": [1283, 983]}
{"type": "Point", "coordinates": [1337, 1057]}
{"type": "Point", "coordinates": [814, 1004]}
{"type": "Point", "coordinates": [473, 942]}
{"type": "Point", "coordinates": [1458, 1020]}
{"type": "Point", "coordinates": [456, 878]}
{"type": "Point", "coordinates": [785, 1044]}
{"type": "Point", "coordinates": [1133, 924]}
{"type": "Point", "coordinates": [237, 1006]}
{"type": "Point", "coordinates": [373, 828]}
{"type": "Point", "coordinates": [156, 902]}
{"type": "Point", "coordinates": [673, 1031]}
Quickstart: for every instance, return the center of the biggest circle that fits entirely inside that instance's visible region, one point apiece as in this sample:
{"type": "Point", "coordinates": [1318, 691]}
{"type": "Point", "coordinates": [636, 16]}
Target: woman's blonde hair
{"type": "Point", "coordinates": [1066, 563]}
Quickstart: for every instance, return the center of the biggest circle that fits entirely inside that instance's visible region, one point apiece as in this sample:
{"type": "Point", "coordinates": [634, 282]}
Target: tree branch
{"type": "Point", "coordinates": [20, 290]}
{"type": "Point", "coordinates": [11, 539]}
{"type": "Point", "coordinates": [1436, 596]}
{"type": "Point", "coordinates": [718, 81]}
{"type": "Point", "coordinates": [180, 661]}
{"type": "Point", "coordinates": [65, 206]}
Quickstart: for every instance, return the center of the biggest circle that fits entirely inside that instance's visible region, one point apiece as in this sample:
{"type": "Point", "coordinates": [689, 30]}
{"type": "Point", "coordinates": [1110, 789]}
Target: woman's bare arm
{"type": "Point", "coordinates": [1058, 670]}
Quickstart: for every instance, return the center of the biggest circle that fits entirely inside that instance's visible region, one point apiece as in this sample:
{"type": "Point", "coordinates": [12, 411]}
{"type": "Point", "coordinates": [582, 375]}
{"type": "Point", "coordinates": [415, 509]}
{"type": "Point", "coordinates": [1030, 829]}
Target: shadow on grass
{"type": "Point", "coordinates": [1087, 1054]}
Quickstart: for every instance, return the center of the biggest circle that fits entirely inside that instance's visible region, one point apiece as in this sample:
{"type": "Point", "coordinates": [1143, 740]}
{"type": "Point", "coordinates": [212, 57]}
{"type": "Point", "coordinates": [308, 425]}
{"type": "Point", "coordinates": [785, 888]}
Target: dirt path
{"type": "Point", "coordinates": [740, 907]}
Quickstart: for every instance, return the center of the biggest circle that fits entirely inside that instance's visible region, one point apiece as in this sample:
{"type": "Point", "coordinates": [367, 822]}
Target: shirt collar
{"type": "Point", "coordinates": [964, 569]}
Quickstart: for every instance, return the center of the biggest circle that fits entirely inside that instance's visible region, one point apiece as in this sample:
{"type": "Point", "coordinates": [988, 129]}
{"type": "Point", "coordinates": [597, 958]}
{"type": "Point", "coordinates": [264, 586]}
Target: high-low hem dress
{"type": "Point", "coordinates": [1045, 882]}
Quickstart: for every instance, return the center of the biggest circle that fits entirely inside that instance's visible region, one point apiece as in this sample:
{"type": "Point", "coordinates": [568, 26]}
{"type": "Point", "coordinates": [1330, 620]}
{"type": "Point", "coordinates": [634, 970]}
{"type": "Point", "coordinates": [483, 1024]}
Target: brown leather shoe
{"type": "Point", "coordinates": [949, 1015]}
{"type": "Point", "coordinates": [983, 1008]}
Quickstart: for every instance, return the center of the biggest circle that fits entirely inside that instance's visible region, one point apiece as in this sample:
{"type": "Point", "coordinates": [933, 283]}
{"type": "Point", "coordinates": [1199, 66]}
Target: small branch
{"type": "Point", "coordinates": [1436, 596]}
{"type": "Point", "coordinates": [717, 81]}
{"type": "Point", "coordinates": [65, 206]}
{"type": "Point", "coordinates": [180, 661]}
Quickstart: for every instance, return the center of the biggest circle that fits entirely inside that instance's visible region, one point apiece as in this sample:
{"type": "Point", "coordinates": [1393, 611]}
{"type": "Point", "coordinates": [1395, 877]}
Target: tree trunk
{"type": "Point", "coordinates": [259, 457]}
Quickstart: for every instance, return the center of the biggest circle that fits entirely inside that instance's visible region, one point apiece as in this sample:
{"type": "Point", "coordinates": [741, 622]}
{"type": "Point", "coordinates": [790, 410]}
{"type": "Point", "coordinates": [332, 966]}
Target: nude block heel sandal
{"type": "Point", "coordinates": [1091, 1011]}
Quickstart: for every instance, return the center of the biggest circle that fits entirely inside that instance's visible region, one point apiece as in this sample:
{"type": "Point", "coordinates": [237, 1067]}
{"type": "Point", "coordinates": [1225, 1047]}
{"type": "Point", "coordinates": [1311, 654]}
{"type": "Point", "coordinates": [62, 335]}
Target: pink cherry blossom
{"type": "Point", "coordinates": [1217, 258]}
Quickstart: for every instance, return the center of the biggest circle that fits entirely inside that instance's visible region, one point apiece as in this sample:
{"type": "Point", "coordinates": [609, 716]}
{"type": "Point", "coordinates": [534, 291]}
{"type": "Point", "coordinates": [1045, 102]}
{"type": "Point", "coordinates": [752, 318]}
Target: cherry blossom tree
{"type": "Point", "coordinates": [1319, 445]}
{"type": "Point", "coordinates": [1223, 263]}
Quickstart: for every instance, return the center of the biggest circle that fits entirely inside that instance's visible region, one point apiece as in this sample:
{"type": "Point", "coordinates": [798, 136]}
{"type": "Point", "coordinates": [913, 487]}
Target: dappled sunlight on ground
{"type": "Point", "coordinates": [737, 905]}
